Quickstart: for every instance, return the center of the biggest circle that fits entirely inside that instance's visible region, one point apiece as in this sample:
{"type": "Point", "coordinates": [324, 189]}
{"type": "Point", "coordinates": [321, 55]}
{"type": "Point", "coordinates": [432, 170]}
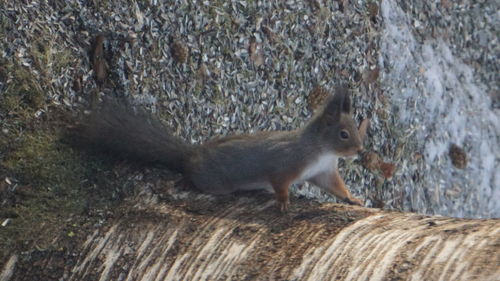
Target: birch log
{"type": "Point", "coordinates": [191, 236]}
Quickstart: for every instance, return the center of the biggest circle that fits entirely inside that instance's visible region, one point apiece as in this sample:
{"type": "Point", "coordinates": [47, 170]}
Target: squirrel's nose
{"type": "Point", "coordinates": [360, 148]}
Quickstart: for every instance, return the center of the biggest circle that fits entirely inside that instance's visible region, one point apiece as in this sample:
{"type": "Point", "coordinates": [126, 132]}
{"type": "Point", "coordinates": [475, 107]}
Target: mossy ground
{"type": "Point", "coordinates": [47, 188]}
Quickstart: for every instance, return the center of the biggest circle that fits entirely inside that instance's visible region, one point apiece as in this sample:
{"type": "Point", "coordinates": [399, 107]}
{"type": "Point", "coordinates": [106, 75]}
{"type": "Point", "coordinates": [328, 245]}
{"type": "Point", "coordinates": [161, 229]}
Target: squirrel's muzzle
{"type": "Point", "coordinates": [360, 149]}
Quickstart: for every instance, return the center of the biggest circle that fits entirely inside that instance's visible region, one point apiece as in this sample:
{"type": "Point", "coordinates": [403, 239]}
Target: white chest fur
{"type": "Point", "coordinates": [324, 163]}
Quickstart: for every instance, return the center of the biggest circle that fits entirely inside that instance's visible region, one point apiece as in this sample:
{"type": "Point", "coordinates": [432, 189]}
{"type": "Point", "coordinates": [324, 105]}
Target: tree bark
{"type": "Point", "coordinates": [192, 236]}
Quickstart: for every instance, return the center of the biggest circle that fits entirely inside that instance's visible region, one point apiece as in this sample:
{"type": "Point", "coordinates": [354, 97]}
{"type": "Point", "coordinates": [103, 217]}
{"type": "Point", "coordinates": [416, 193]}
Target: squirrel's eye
{"type": "Point", "coordinates": [344, 134]}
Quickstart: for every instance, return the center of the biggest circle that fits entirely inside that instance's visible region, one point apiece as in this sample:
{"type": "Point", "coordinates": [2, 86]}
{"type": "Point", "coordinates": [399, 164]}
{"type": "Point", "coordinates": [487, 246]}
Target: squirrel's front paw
{"type": "Point", "coordinates": [354, 201]}
{"type": "Point", "coordinates": [283, 205]}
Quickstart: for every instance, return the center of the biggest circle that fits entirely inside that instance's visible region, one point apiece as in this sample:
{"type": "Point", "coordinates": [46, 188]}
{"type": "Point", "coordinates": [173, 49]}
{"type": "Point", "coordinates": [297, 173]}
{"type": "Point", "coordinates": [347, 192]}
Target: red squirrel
{"type": "Point", "coordinates": [264, 160]}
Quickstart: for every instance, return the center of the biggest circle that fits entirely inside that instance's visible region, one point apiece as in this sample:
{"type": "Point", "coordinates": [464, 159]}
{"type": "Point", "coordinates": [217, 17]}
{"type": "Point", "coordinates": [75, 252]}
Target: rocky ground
{"type": "Point", "coordinates": [440, 64]}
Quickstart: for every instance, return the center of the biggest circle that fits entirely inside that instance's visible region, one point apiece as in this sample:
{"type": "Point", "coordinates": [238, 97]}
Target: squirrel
{"type": "Point", "coordinates": [271, 160]}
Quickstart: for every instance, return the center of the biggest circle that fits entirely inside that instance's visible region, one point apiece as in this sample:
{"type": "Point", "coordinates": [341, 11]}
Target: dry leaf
{"type": "Point", "coordinates": [98, 61]}
{"type": "Point", "coordinates": [446, 4]}
{"type": "Point", "coordinates": [373, 10]}
{"type": "Point", "coordinates": [254, 49]}
{"type": "Point", "coordinates": [387, 169]}
{"type": "Point", "coordinates": [269, 33]}
{"type": "Point", "coordinates": [371, 161]}
{"type": "Point", "coordinates": [343, 5]}
{"type": "Point", "coordinates": [371, 75]}
{"type": "Point", "coordinates": [317, 97]}
{"type": "Point", "coordinates": [179, 51]}
{"type": "Point", "coordinates": [203, 72]}
{"type": "Point", "coordinates": [458, 156]}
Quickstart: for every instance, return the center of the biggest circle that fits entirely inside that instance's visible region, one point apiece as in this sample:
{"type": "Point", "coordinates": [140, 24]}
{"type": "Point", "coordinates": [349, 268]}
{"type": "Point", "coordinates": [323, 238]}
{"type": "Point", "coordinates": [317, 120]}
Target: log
{"type": "Point", "coordinates": [193, 236]}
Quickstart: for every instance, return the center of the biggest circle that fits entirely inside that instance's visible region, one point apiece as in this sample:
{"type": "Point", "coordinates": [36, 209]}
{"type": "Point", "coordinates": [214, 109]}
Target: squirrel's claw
{"type": "Point", "coordinates": [284, 206]}
{"type": "Point", "coordinates": [354, 201]}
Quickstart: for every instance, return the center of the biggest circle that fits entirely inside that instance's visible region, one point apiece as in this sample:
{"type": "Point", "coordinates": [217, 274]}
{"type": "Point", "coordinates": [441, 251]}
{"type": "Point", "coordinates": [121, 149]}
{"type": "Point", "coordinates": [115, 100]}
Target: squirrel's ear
{"type": "Point", "coordinates": [343, 92]}
{"type": "Point", "coordinates": [334, 107]}
{"type": "Point", "coordinates": [346, 106]}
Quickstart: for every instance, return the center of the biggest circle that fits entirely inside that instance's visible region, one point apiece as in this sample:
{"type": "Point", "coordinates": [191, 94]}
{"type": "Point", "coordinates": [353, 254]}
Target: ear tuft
{"type": "Point", "coordinates": [334, 107]}
{"type": "Point", "coordinates": [343, 91]}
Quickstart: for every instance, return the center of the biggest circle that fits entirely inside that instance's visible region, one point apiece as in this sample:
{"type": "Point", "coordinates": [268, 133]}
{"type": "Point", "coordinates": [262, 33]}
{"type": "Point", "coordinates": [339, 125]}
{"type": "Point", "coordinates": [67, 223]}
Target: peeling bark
{"type": "Point", "coordinates": [192, 236]}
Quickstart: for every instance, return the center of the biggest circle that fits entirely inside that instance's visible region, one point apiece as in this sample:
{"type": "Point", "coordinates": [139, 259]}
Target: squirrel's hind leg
{"type": "Point", "coordinates": [280, 186]}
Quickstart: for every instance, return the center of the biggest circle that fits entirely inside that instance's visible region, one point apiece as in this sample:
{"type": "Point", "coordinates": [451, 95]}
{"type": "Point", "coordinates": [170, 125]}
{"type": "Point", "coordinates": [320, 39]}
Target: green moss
{"type": "Point", "coordinates": [41, 53]}
{"type": "Point", "coordinates": [62, 59]}
{"type": "Point", "coordinates": [48, 177]}
{"type": "Point", "coordinates": [40, 160]}
{"type": "Point", "coordinates": [50, 183]}
{"type": "Point", "coordinates": [49, 60]}
{"type": "Point", "coordinates": [51, 186]}
{"type": "Point", "coordinates": [55, 187]}
{"type": "Point", "coordinates": [23, 93]}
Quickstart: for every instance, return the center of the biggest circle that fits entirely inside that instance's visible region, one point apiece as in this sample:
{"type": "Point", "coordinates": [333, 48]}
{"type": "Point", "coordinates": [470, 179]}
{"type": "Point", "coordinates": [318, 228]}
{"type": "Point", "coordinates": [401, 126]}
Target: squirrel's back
{"type": "Point", "coordinates": [133, 135]}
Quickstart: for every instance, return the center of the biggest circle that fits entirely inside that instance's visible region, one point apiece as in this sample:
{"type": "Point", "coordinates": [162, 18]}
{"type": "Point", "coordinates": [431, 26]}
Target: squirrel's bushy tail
{"type": "Point", "coordinates": [136, 136]}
